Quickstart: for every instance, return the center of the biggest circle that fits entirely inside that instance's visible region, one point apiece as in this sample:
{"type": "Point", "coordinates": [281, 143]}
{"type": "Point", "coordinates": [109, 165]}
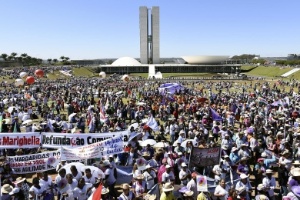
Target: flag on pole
{"type": "Point", "coordinates": [152, 123]}
{"type": "Point", "coordinates": [96, 195]}
{"type": "Point", "coordinates": [215, 115]}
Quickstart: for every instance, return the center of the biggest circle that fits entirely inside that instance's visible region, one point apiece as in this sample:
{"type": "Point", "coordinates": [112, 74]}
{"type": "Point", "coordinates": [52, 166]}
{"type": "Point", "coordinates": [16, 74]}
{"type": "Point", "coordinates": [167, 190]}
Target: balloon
{"type": "Point", "coordinates": [30, 80]}
{"type": "Point", "coordinates": [23, 74]}
{"type": "Point", "coordinates": [19, 82]}
{"type": "Point", "coordinates": [39, 73]}
{"type": "Point", "coordinates": [102, 74]}
{"type": "Point", "coordinates": [125, 78]}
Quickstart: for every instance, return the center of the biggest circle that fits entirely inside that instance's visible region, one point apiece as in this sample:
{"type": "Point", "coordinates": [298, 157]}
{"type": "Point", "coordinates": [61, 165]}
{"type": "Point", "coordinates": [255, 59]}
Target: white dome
{"type": "Point", "coordinates": [204, 59]}
{"type": "Point", "coordinates": [126, 61]}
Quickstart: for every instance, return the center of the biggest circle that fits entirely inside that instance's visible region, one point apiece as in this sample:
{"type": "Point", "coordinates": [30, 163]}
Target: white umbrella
{"type": "Point", "coordinates": [161, 145]}
{"type": "Point", "coordinates": [70, 116]}
{"type": "Point", "coordinates": [134, 135]}
{"type": "Point", "coordinates": [96, 172]}
{"type": "Point", "coordinates": [10, 109]}
{"type": "Point", "coordinates": [27, 122]}
{"type": "Point", "coordinates": [151, 142]}
{"type": "Point", "coordinates": [183, 144]}
{"type": "Point", "coordinates": [102, 74]}
{"type": "Point", "coordinates": [78, 165]}
{"type": "Point", "coordinates": [134, 125]}
{"type": "Point", "coordinates": [23, 74]}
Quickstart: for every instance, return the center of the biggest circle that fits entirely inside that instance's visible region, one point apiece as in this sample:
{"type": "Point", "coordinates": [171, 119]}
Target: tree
{"type": "Point", "coordinates": [24, 55]}
{"type": "Point", "coordinates": [62, 58]}
{"type": "Point", "coordinates": [49, 60]}
{"type": "Point", "coordinates": [4, 56]}
{"type": "Point", "coordinates": [55, 60]}
{"type": "Point", "coordinates": [67, 58]}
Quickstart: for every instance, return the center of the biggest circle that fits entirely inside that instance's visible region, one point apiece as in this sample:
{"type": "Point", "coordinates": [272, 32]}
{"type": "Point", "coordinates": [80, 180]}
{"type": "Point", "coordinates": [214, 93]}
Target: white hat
{"type": "Point", "coordinates": [106, 163]}
{"type": "Point", "coordinates": [243, 176]}
{"type": "Point", "coordinates": [125, 186]}
{"type": "Point", "coordinates": [260, 187]}
{"type": "Point", "coordinates": [295, 172]}
{"type": "Point", "coordinates": [269, 171]}
{"type": "Point", "coordinates": [6, 188]}
{"type": "Point", "coordinates": [180, 153]}
{"type": "Point", "coordinates": [104, 190]}
{"type": "Point", "coordinates": [168, 166]}
{"type": "Point", "coordinates": [264, 155]}
{"type": "Point", "coordinates": [183, 165]}
{"type": "Point", "coordinates": [234, 149]}
{"type": "Point", "coordinates": [240, 190]}
{"type": "Point", "coordinates": [188, 193]}
{"type": "Point", "coordinates": [167, 187]}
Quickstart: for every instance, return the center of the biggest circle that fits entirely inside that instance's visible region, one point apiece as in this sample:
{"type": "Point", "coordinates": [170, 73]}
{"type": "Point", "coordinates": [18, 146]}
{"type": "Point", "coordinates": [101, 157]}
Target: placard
{"type": "Point", "coordinates": [202, 157]}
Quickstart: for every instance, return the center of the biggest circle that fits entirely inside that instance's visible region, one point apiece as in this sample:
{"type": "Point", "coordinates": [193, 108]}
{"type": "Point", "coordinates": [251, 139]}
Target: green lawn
{"type": "Point", "coordinates": [268, 71]}
{"type": "Point", "coordinates": [247, 67]}
{"type": "Point", "coordinates": [83, 71]}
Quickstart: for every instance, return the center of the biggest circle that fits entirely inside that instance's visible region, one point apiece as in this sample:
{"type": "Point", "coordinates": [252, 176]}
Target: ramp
{"type": "Point", "coordinates": [290, 72]}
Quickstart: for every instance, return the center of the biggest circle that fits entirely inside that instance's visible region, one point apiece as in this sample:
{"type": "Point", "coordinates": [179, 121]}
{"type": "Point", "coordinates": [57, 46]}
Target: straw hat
{"type": "Point", "coordinates": [6, 189]}
{"type": "Point", "coordinates": [150, 197]}
{"type": "Point", "coordinates": [240, 190]}
{"type": "Point", "coordinates": [188, 193]}
{"type": "Point", "coordinates": [183, 165]}
{"type": "Point", "coordinates": [269, 171]}
{"type": "Point", "coordinates": [168, 166]}
{"type": "Point", "coordinates": [19, 180]}
{"type": "Point", "coordinates": [243, 176]}
{"type": "Point", "coordinates": [125, 186]}
{"type": "Point", "coordinates": [297, 162]}
{"type": "Point", "coordinates": [167, 187]}
{"type": "Point", "coordinates": [260, 187]}
{"type": "Point", "coordinates": [104, 191]}
{"type": "Point", "coordinates": [146, 154]}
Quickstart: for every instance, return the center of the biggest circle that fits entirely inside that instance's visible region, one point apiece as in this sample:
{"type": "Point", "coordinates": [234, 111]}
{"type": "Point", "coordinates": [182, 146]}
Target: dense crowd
{"type": "Point", "coordinates": [258, 134]}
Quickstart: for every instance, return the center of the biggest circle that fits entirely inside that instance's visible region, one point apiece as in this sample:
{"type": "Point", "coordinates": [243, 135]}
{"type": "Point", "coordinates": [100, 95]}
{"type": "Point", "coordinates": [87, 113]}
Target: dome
{"type": "Point", "coordinates": [126, 61]}
{"type": "Point", "coordinates": [205, 59]}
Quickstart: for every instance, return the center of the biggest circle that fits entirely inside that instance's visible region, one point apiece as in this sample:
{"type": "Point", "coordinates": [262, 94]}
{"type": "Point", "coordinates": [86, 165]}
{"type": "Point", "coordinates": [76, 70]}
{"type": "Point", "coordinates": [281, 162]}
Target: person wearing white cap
{"type": "Point", "coordinates": [269, 183]}
{"type": "Point", "coordinates": [168, 175]}
{"type": "Point", "coordinates": [181, 159]}
{"type": "Point", "coordinates": [150, 176]}
{"type": "Point", "coordinates": [244, 182]}
{"type": "Point", "coordinates": [184, 174]}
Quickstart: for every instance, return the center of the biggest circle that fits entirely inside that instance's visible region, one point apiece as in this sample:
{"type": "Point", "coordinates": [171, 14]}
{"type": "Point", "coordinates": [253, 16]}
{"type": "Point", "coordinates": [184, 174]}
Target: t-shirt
{"type": "Point", "coordinates": [36, 191]}
{"type": "Point", "coordinates": [81, 194]}
{"type": "Point", "coordinates": [149, 178]}
{"type": "Point", "coordinates": [219, 190]}
{"type": "Point", "coordinates": [91, 180]}
{"type": "Point", "coordinates": [168, 177]}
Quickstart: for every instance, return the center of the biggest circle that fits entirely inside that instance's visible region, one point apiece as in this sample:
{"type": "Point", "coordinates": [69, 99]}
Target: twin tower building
{"type": "Point", "coordinates": [149, 35]}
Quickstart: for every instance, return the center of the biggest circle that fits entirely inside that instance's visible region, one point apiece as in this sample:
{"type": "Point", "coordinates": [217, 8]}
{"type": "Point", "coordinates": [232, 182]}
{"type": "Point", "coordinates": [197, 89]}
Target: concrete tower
{"type": "Point", "coordinates": [149, 35]}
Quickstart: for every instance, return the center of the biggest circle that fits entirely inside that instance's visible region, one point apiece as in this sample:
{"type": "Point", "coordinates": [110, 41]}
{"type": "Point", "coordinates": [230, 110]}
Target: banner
{"type": "Point", "coordinates": [34, 162]}
{"type": "Point", "coordinates": [19, 140]}
{"type": "Point", "coordinates": [58, 140]}
{"type": "Point", "coordinates": [124, 174]}
{"type": "Point", "coordinates": [110, 146]}
{"type": "Point", "coordinates": [202, 185]}
{"type": "Point", "coordinates": [201, 157]}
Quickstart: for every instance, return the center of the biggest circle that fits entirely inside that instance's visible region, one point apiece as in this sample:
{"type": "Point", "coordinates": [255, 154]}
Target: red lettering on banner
{"type": "Point", "coordinates": [21, 141]}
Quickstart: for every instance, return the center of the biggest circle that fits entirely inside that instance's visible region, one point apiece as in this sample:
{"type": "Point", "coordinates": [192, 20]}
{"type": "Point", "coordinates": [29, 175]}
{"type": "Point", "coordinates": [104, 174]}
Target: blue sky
{"type": "Point", "coordinates": [90, 29]}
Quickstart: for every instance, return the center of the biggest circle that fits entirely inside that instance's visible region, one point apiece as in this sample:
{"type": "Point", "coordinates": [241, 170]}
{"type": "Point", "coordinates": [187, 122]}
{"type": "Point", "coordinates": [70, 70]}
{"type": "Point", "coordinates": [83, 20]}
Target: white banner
{"type": "Point", "coordinates": [34, 162]}
{"type": "Point", "coordinates": [110, 146]}
{"type": "Point", "coordinates": [58, 140]}
{"type": "Point", "coordinates": [19, 140]}
{"type": "Point", "coordinates": [124, 174]}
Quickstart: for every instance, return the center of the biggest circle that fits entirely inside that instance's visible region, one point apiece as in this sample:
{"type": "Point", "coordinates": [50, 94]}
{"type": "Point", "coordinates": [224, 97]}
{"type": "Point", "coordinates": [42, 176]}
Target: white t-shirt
{"type": "Point", "coordinates": [168, 177]}
{"type": "Point", "coordinates": [67, 190]}
{"type": "Point", "coordinates": [81, 194]}
{"type": "Point", "coordinates": [91, 180]}
{"type": "Point", "coordinates": [220, 190]}
{"type": "Point", "coordinates": [78, 176]}
{"type": "Point", "coordinates": [74, 184]}
{"type": "Point", "coordinates": [149, 178]}
{"type": "Point", "coordinates": [182, 174]}
{"type": "Point", "coordinates": [111, 178]}
{"type": "Point", "coordinates": [46, 184]}
{"type": "Point", "coordinates": [36, 191]}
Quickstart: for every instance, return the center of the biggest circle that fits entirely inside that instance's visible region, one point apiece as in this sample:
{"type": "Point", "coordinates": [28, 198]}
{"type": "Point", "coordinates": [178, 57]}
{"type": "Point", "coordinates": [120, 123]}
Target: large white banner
{"type": "Point", "coordinates": [58, 140]}
{"type": "Point", "coordinates": [110, 146]}
{"type": "Point", "coordinates": [34, 162]}
{"type": "Point", "coordinates": [19, 140]}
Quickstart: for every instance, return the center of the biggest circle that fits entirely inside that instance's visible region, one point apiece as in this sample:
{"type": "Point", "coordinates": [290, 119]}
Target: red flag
{"type": "Point", "coordinates": [97, 193]}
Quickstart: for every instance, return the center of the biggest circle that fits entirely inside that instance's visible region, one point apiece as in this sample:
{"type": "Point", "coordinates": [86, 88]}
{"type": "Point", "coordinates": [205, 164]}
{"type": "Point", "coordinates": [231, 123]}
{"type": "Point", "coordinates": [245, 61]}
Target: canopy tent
{"type": "Point", "coordinates": [170, 88]}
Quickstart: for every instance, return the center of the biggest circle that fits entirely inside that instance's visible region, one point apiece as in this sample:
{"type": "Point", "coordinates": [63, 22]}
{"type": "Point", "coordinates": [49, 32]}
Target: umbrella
{"type": "Point", "coordinates": [134, 135]}
{"type": "Point", "coordinates": [161, 145]}
{"type": "Point", "coordinates": [96, 172]}
{"type": "Point", "coordinates": [10, 109]}
{"type": "Point", "coordinates": [151, 142]}
{"type": "Point", "coordinates": [70, 116]}
{"type": "Point", "coordinates": [78, 165]}
{"type": "Point", "coordinates": [27, 122]}
{"type": "Point", "coordinates": [183, 144]}
{"type": "Point", "coordinates": [134, 125]}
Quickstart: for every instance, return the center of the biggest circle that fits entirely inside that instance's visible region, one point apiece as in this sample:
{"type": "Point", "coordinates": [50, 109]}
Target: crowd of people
{"type": "Point", "coordinates": [256, 125]}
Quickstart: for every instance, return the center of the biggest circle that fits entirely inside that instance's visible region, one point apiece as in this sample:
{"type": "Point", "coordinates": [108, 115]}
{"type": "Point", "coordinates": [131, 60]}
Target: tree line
{"type": "Point", "coordinates": [27, 60]}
